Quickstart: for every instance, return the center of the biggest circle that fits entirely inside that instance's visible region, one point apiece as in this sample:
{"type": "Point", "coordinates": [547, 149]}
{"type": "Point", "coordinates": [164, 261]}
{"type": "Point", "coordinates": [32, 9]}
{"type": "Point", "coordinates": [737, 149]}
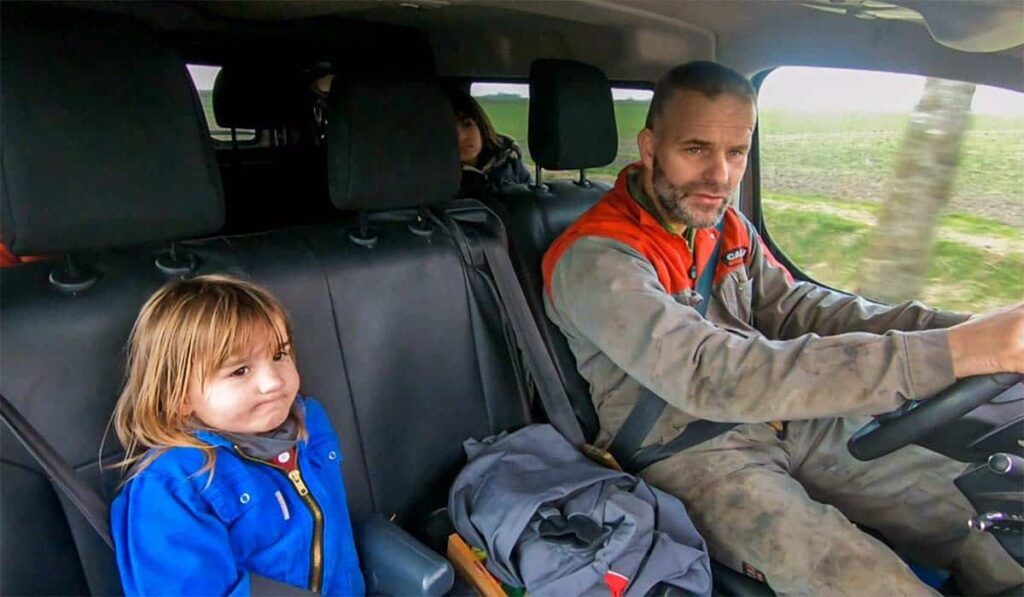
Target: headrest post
{"type": "Point", "coordinates": [583, 182]}
{"type": "Point", "coordinates": [177, 263]}
{"type": "Point", "coordinates": [421, 225]}
{"type": "Point", "coordinates": [234, 139]}
{"type": "Point", "coordinates": [320, 122]}
{"type": "Point", "coordinates": [363, 236]}
{"type": "Point", "coordinates": [538, 180]}
{"type": "Point", "coordinates": [71, 276]}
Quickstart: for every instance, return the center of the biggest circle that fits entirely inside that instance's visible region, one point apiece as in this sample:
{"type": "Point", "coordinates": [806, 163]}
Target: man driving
{"type": "Point", "coordinates": [797, 366]}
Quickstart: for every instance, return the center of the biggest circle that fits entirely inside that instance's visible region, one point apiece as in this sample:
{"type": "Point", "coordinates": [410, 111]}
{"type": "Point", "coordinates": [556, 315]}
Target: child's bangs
{"type": "Point", "coordinates": [240, 324]}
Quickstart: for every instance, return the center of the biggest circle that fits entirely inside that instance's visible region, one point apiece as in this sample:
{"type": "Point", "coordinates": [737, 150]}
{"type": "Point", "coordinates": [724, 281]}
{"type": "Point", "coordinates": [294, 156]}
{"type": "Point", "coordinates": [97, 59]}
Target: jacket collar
{"type": "Point", "coordinates": [634, 201]}
{"type": "Point", "coordinates": [507, 151]}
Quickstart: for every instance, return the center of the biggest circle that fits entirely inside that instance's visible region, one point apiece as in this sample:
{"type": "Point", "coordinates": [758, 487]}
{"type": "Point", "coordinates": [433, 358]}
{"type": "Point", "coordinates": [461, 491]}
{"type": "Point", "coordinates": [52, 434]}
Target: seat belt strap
{"type": "Point", "coordinates": [625, 446]}
{"type": "Point", "coordinates": [538, 361]}
{"type": "Point", "coordinates": [84, 497]}
{"type": "Point", "coordinates": [697, 432]}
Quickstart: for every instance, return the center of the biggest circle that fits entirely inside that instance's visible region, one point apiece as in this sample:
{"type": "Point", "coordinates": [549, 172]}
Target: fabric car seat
{"type": "Point", "coordinates": [572, 127]}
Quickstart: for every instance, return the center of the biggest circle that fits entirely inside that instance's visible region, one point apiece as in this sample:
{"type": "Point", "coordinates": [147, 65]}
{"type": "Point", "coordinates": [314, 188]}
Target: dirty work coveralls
{"type": "Point", "coordinates": [619, 284]}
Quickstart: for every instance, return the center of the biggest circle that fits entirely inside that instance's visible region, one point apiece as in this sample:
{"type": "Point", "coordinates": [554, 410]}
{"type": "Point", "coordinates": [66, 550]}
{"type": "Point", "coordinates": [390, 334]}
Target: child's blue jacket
{"type": "Point", "coordinates": [175, 535]}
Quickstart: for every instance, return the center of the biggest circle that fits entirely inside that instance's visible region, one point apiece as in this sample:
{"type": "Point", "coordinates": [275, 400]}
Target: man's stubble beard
{"type": "Point", "coordinates": [672, 199]}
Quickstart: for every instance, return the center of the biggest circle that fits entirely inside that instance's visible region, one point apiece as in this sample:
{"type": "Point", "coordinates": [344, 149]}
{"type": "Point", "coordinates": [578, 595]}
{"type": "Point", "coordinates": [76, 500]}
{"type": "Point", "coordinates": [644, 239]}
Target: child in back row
{"type": "Point", "coordinates": [232, 471]}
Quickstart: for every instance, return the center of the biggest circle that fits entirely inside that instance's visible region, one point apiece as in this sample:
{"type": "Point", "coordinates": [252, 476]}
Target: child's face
{"type": "Point", "coordinates": [470, 141]}
{"type": "Point", "coordinates": [249, 393]}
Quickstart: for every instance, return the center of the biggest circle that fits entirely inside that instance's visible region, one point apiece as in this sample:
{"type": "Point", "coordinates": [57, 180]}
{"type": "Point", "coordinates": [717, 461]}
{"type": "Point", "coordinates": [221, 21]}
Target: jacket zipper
{"type": "Point", "coordinates": [316, 564]}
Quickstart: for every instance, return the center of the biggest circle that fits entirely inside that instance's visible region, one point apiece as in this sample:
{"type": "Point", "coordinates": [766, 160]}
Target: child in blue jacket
{"type": "Point", "coordinates": [232, 471]}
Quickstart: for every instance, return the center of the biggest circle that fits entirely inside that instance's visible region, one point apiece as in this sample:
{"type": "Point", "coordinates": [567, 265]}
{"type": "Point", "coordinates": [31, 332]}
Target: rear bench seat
{"type": "Point", "coordinates": [389, 333]}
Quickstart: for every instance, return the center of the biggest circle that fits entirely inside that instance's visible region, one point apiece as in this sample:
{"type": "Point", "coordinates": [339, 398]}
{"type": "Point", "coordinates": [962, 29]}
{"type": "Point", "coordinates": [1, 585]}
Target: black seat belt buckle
{"type": "Point", "coordinates": [781, 428]}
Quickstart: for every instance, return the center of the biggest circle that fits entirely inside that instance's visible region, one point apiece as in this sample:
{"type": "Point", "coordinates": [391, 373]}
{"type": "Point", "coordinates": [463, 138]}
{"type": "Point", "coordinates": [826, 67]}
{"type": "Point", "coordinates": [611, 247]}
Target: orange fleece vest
{"type": "Point", "coordinates": [619, 217]}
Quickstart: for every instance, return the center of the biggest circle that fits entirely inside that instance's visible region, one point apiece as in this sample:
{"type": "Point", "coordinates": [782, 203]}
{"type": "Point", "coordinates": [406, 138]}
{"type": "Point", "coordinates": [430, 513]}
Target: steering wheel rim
{"type": "Point", "coordinates": [918, 418]}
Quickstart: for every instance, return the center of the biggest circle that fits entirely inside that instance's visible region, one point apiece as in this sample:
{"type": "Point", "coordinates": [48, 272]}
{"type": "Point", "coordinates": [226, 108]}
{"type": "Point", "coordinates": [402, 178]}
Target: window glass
{"type": "Point", "coordinates": [507, 105]}
{"type": "Point", "coordinates": [894, 186]}
{"type": "Point", "coordinates": [203, 77]}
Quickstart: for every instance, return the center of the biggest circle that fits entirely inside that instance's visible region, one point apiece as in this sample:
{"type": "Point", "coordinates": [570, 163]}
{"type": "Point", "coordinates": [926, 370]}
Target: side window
{"type": "Point", "coordinates": [507, 105]}
{"type": "Point", "coordinates": [203, 77]}
{"type": "Point", "coordinates": [896, 187]}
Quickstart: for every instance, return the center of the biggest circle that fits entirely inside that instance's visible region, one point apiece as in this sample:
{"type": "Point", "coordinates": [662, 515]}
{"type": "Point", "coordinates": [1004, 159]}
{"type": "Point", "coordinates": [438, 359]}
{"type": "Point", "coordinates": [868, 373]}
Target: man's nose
{"type": "Point", "coordinates": [717, 170]}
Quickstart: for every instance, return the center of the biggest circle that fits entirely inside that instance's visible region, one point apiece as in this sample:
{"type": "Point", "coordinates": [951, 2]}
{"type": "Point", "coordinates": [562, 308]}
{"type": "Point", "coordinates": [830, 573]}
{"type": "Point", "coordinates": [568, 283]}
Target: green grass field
{"type": "Point", "coordinates": [824, 176]}
{"type": "Point", "coordinates": [977, 264]}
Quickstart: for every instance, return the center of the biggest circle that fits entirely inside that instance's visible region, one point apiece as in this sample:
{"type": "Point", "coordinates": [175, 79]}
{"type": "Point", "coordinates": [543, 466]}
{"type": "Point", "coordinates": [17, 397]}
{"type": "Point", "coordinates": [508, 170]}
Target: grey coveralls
{"type": "Point", "coordinates": [776, 349]}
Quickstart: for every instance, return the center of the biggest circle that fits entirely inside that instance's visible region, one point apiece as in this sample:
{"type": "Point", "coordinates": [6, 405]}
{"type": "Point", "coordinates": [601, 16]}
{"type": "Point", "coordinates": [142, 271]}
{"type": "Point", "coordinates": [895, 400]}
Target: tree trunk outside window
{"type": "Point", "coordinates": [899, 250]}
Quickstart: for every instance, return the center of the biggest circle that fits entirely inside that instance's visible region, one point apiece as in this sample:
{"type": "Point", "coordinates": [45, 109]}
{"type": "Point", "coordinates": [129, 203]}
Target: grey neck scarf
{"type": "Point", "coordinates": [267, 445]}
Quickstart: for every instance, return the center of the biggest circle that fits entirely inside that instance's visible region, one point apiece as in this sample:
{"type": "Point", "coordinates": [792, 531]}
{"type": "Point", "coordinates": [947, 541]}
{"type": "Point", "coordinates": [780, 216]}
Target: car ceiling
{"type": "Point", "coordinates": [637, 40]}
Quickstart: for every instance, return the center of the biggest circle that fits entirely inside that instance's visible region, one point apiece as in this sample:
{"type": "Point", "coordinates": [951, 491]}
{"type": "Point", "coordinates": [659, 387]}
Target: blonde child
{"type": "Point", "coordinates": [232, 471]}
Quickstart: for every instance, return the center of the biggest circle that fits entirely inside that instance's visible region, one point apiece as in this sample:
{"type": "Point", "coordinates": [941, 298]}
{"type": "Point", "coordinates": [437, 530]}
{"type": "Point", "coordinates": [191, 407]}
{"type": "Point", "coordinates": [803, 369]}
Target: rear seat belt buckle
{"type": "Point", "coordinates": [781, 429]}
{"type": "Point", "coordinates": [602, 457]}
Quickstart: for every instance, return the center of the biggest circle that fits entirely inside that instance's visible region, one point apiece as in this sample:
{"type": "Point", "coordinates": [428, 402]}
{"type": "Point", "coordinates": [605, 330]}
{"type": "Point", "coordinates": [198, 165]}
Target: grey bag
{"type": "Point", "coordinates": [556, 523]}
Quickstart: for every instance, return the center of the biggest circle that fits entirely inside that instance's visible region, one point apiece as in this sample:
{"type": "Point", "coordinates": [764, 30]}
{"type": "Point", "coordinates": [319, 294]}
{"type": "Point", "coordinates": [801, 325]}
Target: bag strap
{"type": "Point", "coordinates": [538, 361]}
{"type": "Point", "coordinates": [625, 446]}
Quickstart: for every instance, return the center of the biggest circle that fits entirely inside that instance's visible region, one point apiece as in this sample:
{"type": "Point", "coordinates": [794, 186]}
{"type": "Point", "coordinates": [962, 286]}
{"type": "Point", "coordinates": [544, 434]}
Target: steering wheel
{"type": "Point", "coordinates": [918, 418]}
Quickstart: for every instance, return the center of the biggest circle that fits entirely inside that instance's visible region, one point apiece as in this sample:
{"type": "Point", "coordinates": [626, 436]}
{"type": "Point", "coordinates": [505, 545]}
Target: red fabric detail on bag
{"type": "Point", "coordinates": [616, 582]}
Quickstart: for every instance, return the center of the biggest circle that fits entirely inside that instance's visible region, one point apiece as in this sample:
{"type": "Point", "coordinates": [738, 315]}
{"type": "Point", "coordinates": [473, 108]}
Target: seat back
{"type": "Point", "coordinates": [572, 126]}
{"type": "Point", "coordinates": [428, 359]}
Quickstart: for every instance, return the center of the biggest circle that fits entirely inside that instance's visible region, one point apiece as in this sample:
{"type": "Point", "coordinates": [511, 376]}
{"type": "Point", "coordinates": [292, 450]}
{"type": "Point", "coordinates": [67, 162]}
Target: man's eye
{"type": "Point", "coordinates": [693, 150]}
{"type": "Point", "coordinates": [240, 372]}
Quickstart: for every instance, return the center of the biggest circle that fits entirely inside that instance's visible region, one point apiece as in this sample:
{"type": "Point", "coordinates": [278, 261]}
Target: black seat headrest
{"type": "Point", "coordinates": [390, 144]}
{"type": "Point", "coordinates": [572, 116]}
{"type": "Point", "coordinates": [103, 142]}
{"type": "Point", "coordinates": [247, 98]}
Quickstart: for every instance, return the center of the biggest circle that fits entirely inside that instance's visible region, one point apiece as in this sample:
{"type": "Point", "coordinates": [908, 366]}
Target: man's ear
{"type": "Point", "coordinates": [645, 143]}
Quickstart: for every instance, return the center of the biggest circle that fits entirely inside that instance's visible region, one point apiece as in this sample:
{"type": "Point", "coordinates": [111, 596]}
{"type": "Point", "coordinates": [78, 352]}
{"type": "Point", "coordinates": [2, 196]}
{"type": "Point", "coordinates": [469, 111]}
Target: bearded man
{"type": "Point", "coordinates": [796, 367]}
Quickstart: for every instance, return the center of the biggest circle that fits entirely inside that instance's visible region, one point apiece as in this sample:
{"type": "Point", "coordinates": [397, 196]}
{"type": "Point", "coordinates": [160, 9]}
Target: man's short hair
{"type": "Point", "coordinates": [710, 78]}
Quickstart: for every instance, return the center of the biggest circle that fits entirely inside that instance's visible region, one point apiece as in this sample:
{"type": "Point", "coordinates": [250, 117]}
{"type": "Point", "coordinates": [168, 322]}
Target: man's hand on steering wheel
{"type": "Point", "coordinates": [988, 358]}
{"type": "Point", "coordinates": [990, 343]}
